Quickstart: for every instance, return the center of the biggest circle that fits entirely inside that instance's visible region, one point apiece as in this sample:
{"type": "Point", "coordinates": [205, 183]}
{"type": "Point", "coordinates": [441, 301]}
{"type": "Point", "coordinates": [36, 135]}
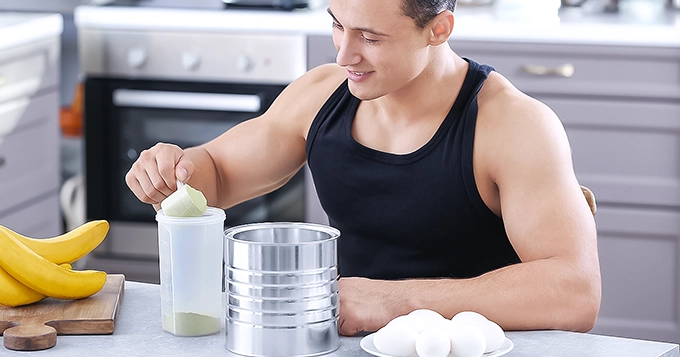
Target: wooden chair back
{"type": "Point", "coordinates": [590, 198]}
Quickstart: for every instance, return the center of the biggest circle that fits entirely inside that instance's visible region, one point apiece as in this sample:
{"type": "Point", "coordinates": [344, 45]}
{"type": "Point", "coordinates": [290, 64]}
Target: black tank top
{"type": "Point", "coordinates": [412, 215]}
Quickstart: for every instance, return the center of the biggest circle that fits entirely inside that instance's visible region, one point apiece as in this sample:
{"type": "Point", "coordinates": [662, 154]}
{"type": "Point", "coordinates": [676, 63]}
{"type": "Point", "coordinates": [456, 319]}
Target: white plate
{"type": "Point", "coordinates": [367, 345]}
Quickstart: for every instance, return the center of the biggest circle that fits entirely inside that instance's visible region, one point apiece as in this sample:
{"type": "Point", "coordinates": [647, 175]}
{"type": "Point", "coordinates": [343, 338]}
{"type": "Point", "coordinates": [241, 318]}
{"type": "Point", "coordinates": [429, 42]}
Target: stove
{"type": "Point", "coordinates": [274, 4]}
{"type": "Point", "coordinates": [220, 4]}
{"type": "Point", "coordinates": [178, 76]}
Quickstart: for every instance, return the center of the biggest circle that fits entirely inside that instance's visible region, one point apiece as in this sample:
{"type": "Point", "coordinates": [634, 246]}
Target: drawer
{"type": "Point", "coordinates": [38, 219]}
{"type": "Point", "coordinates": [29, 155]}
{"type": "Point", "coordinates": [597, 70]}
{"type": "Point", "coordinates": [11, 112]}
{"type": "Point", "coordinates": [20, 112]}
{"type": "Point", "coordinates": [27, 69]}
{"type": "Point", "coordinates": [627, 152]}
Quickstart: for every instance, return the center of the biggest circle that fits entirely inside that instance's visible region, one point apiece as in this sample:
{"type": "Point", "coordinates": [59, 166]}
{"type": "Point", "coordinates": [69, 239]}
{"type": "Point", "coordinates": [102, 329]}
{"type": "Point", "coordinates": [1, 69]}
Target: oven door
{"type": "Point", "coordinates": [124, 117]}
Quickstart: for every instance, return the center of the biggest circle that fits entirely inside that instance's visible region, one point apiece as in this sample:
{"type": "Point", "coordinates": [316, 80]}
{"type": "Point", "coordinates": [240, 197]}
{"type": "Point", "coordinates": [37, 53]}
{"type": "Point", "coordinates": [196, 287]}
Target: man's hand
{"type": "Point", "coordinates": [367, 305]}
{"type": "Point", "coordinates": [153, 176]}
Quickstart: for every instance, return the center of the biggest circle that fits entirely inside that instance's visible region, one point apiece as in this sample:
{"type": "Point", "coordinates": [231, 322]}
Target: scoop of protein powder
{"type": "Point", "coordinates": [185, 202]}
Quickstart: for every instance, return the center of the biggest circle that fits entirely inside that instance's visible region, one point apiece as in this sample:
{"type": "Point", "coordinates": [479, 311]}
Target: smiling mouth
{"type": "Point", "coordinates": [357, 73]}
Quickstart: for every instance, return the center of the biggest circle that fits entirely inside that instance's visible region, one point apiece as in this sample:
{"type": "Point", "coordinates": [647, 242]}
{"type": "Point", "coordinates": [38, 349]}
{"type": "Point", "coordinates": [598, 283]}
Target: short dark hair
{"type": "Point", "coordinates": [423, 11]}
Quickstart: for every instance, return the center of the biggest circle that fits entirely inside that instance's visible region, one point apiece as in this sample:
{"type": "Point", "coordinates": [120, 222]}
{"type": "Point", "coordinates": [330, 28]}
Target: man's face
{"type": "Point", "coordinates": [381, 49]}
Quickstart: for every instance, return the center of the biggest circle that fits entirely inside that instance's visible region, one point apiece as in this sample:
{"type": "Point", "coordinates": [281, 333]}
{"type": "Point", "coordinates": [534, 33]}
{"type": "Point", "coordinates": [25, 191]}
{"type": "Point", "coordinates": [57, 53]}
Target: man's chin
{"type": "Point", "coordinates": [361, 92]}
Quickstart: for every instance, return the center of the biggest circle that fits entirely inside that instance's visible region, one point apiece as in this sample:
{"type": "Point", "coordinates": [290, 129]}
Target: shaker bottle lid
{"type": "Point", "coordinates": [211, 215]}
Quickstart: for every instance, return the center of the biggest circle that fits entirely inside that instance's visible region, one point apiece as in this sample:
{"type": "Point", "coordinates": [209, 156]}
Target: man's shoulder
{"type": "Point", "coordinates": [315, 85]}
{"type": "Point", "coordinates": [498, 90]}
{"type": "Point", "coordinates": [503, 104]}
{"type": "Point", "coordinates": [324, 78]}
{"type": "Point", "coordinates": [515, 124]}
{"type": "Point", "coordinates": [298, 104]}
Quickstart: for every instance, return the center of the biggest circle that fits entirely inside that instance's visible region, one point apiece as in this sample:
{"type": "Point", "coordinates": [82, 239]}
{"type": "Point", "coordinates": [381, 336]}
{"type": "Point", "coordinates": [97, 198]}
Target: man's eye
{"type": "Point", "coordinates": [368, 40]}
{"type": "Point", "coordinates": [337, 25]}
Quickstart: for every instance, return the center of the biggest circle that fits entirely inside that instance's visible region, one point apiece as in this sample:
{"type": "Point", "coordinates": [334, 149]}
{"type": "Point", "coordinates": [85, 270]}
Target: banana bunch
{"type": "Point", "coordinates": [32, 269]}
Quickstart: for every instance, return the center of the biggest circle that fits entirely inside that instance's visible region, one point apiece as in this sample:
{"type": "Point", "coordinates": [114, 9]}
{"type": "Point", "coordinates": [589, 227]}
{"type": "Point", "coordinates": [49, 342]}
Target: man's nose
{"type": "Point", "coordinates": [348, 53]}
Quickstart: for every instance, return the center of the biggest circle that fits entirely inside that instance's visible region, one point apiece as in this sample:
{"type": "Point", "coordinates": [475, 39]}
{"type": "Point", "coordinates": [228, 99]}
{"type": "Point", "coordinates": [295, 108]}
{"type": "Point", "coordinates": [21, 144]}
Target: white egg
{"type": "Point", "coordinates": [467, 341]}
{"type": "Point", "coordinates": [433, 342]}
{"type": "Point", "coordinates": [428, 316]}
{"type": "Point", "coordinates": [467, 318]}
{"type": "Point", "coordinates": [396, 340]}
{"type": "Point", "coordinates": [494, 335]}
{"type": "Point", "coordinates": [445, 325]}
{"type": "Point", "coordinates": [414, 322]}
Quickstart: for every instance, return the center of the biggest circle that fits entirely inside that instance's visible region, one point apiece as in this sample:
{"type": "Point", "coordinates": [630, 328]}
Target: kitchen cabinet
{"type": "Point", "coordinates": [29, 137]}
{"type": "Point", "coordinates": [621, 111]}
{"type": "Point", "coordinates": [37, 218]}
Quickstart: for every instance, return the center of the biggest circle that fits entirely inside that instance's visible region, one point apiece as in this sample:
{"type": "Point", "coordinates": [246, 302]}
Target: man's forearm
{"type": "Point", "coordinates": [542, 294]}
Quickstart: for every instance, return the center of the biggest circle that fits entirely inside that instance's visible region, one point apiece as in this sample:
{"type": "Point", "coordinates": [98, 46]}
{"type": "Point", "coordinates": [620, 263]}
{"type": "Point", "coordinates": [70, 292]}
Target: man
{"type": "Point", "coordinates": [452, 190]}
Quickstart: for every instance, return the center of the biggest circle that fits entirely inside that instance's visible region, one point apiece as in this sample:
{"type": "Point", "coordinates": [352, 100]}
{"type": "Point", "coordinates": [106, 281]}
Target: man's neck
{"type": "Point", "coordinates": [431, 94]}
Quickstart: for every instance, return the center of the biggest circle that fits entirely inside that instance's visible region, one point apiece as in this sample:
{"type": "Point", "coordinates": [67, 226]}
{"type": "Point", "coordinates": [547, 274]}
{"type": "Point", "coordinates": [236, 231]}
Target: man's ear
{"type": "Point", "coordinates": [441, 27]}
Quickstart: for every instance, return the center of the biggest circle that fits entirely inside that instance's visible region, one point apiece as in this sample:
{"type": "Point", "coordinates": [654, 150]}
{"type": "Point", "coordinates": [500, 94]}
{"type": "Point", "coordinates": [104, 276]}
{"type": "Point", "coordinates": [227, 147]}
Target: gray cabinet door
{"type": "Point", "coordinates": [29, 154]}
{"type": "Point", "coordinates": [29, 138]}
{"type": "Point", "coordinates": [37, 219]}
{"type": "Point", "coordinates": [640, 263]}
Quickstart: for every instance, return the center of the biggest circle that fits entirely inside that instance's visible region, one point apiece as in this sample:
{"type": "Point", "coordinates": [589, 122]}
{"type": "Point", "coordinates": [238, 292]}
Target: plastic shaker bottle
{"type": "Point", "coordinates": [191, 258]}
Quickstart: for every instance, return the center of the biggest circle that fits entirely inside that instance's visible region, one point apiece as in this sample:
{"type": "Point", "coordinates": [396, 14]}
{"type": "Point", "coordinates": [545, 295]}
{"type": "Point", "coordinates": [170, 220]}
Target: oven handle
{"type": "Point", "coordinates": [187, 100]}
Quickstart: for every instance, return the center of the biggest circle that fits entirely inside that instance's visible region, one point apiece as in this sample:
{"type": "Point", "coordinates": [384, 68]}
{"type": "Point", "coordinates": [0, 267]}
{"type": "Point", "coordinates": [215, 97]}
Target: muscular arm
{"type": "Point", "coordinates": [262, 154]}
{"type": "Point", "coordinates": [524, 173]}
{"type": "Point", "coordinates": [253, 158]}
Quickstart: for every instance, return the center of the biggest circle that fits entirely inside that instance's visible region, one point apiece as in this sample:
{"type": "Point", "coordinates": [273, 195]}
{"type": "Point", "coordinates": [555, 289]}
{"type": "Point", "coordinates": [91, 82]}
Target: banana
{"type": "Point", "coordinates": [68, 247]}
{"type": "Point", "coordinates": [44, 276]}
{"type": "Point", "coordinates": [14, 293]}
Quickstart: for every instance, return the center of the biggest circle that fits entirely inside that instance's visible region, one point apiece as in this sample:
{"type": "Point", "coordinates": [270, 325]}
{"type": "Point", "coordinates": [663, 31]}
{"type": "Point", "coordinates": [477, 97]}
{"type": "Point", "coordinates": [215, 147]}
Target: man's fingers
{"type": "Point", "coordinates": [135, 187]}
{"type": "Point", "coordinates": [184, 169]}
{"type": "Point", "coordinates": [347, 328]}
{"type": "Point", "coordinates": [142, 187]}
{"type": "Point", "coordinates": [157, 186]}
{"type": "Point", "coordinates": [349, 323]}
{"type": "Point", "coordinates": [163, 178]}
{"type": "Point", "coordinates": [152, 177]}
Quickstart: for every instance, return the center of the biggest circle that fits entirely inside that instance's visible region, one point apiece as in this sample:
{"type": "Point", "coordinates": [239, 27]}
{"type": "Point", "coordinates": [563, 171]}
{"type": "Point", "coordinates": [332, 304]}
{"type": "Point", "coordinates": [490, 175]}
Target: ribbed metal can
{"type": "Point", "coordinates": [281, 282]}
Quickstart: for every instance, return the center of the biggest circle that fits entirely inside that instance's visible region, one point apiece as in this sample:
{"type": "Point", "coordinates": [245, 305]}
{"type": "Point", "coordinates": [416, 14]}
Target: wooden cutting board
{"type": "Point", "coordinates": [36, 326]}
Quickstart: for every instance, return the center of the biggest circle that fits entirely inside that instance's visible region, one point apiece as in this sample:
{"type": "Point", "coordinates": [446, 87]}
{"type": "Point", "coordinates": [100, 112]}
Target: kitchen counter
{"type": "Point", "coordinates": [139, 333]}
{"type": "Point", "coordinates": [17, 29]}
{"type": "Point", "coordinates": [638, 23]}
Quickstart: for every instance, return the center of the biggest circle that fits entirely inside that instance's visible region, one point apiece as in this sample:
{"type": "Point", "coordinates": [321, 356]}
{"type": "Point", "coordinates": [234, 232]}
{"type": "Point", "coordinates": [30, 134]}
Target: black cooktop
{"type": "Point", "coordinates": [215, 4]}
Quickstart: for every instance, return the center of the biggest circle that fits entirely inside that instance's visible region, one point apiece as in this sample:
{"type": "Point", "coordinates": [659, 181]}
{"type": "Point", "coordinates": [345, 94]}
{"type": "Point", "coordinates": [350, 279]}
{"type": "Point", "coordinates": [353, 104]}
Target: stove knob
{"type": "Point", "coordinates": [244, 63]}
{"type": "Point", "coordinates": [136, 57]}
{"type": "Point", "coordinates": [190, 60]}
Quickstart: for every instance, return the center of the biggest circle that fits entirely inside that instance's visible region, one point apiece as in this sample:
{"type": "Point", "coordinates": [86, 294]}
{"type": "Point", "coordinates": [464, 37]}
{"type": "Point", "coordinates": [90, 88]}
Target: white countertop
{"type": "Point", "coordinates": [657, 27]}
{"type": "Point", "coordinates": [138, 332]}
{"type": "Point", "coordinates": [17, 29]}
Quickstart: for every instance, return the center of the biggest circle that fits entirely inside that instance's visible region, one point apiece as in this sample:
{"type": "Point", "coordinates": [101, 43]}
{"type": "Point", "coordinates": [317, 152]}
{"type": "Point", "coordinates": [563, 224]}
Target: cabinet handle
{"type": "Point", "coordinates": [2, 161]}
{"type": "Point", "coordinates": [2, 80]}
{"type": "Point", "coordinates": [564, 70]}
